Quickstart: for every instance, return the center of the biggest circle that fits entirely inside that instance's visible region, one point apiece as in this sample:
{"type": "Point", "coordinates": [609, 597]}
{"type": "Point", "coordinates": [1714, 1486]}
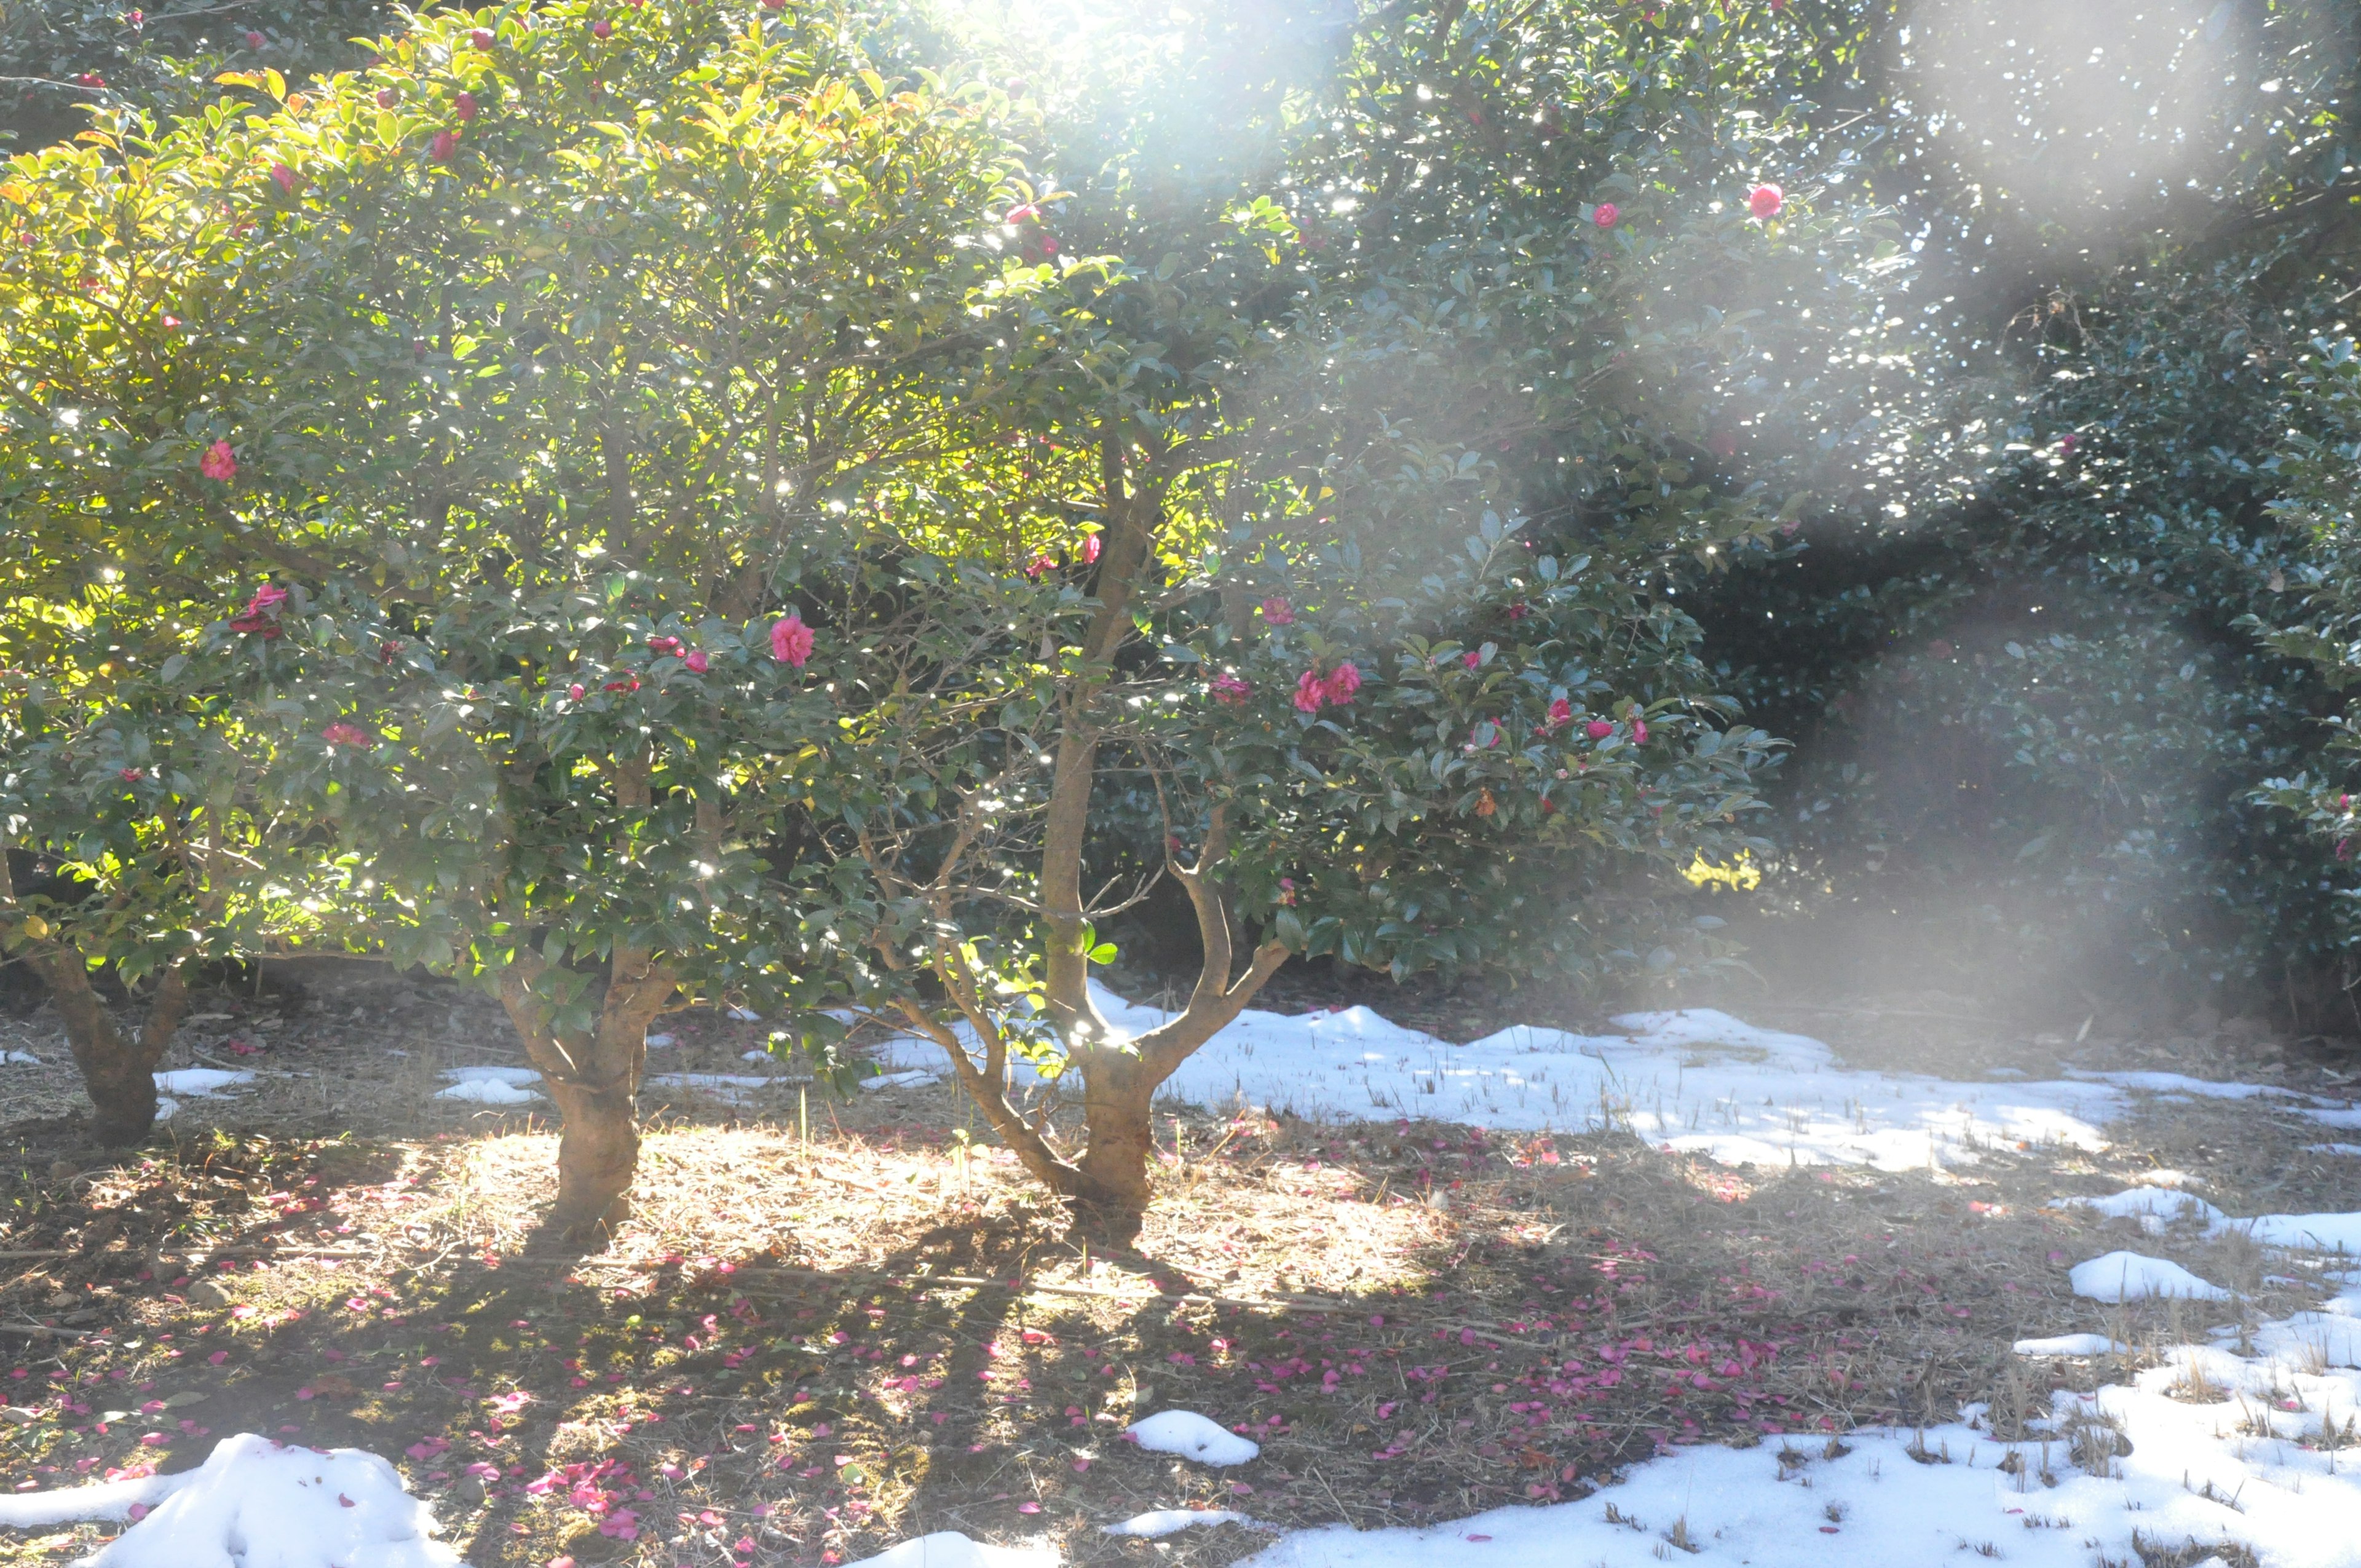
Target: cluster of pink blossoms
{"type": "Point", "coordinates": [1314, 690]}
{"type": "Point", "coordinates": [262, 612]}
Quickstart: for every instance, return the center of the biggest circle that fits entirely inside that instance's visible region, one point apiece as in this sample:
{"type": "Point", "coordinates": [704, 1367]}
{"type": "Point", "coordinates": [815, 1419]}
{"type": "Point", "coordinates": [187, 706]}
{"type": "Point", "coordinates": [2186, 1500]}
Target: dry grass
{"type": "Point", "coordinates": [827, 1331]}
{"type": "Point", "coordinates": [816, 1345]}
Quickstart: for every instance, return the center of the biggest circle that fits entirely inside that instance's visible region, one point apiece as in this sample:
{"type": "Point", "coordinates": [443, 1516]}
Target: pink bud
{"type": "Point", "coordinates": [697, 662]}
{"type": "Point", "coordinates": [466, 105]}
{"type": "Point", "coordinates": [285, 176]}
{"type": "Point", "coordinates": [387, 97]}
{"type": "Point", "coordinates": [481, 39]}
{"type": "Point", "coordinates": [1598, 729]}
{"type": "Point", "coordinates": [603, 29]}
{"type": "Point", "coordinates": [575, 691]}
{"type": "Point", "coordinates": [445, 144]}
{"type": "Point", "coordinates": [1604, 215]}
{"type": "Point", "coordinates": [254, 40]}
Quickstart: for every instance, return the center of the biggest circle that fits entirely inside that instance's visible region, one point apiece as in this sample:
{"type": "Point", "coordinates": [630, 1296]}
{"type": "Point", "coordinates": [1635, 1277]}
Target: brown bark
{"type": "Point", "coordinates": [594, 1077]}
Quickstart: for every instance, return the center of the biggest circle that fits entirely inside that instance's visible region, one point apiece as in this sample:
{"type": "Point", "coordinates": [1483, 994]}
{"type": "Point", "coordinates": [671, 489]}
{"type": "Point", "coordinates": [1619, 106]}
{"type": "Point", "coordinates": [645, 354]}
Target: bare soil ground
{"type": "Point", "coordinates": [835, 1322]}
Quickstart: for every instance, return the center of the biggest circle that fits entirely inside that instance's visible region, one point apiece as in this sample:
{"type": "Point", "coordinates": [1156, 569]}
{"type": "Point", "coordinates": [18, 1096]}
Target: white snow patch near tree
{"type": "Point", "coordinates": [2069, 1344]}
{"type": "Point", "coordinates": [949, 1549]}
{"type": "Point", "coordinates": [1158, 1522]}
{"type": "Point", "coordinates": [2133, 1276]}
{"type": "Point", "coordinates": [253, 1504]}
{"type": "Point", "coordinates": [1191, 1436]}
{"type": "Point", "coordinates": [489, 1085]}
{"type": "Point", "coordinates": [200, 1081]}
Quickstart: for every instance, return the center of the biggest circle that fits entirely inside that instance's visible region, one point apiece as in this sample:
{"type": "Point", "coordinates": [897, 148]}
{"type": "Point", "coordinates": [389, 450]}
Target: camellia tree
{"type": "Point", "coordinates": [141, 836]}
{"type": "Point", "coordinates": [716, 521]}
{"type": "Point", "coordinates": [558, 333]}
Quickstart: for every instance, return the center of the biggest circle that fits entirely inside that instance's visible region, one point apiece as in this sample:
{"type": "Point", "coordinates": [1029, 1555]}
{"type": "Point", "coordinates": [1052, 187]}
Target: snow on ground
{"type": "Point", "coordinates": [1191, 1436]}
{"type": "Point", "coordinates": [2242, 1467]}
{"type": "Point", "coordinates": [2131, 1277]}
{"type": "Point", "coordinates": [200, 1080]}
{"type": "Point", "coordinates": [489, 1085]}
{"type": "Point", "coordinates": [253, 1504]}
{"type": "Point", "coordinates": [1698, 1081]}
{"type": "Point", "coordinates": [2069, 1344]}
{"type": "Point", "coordinates": [1158, 1522]}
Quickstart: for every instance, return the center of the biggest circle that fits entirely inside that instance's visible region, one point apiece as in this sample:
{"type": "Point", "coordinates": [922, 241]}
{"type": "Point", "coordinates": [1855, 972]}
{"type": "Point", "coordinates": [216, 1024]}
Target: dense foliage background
{"type": "Point", "coordinates": [2002, 465]}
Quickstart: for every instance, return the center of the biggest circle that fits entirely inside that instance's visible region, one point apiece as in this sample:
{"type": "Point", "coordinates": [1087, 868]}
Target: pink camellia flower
{"type": "Point", "coordinates": [480, 38]}
{"type": "Point", "coordinates": [1277, 612]}
{"type": "Point", "coordinates": [792, 640]}
{"type": "Point", "coordinates": [1561, 714]}
{"type": "Point", "coordinates": [172, 324]}
{"type": "Point", "coordinates": [1598, 729]}
{"type": "Point", "coordinates": [663, 645]}
{"type": "Point", "coordinates": [1311, 691]}
{"type": "Point", "coordinates": [219, 462]}
{"type": "Point", "coordinates": [1639, 733]}
{"type": "Point", "coordinates": [445, 144]}
{"type": "Point", "coordinates": [1343, 681]}
{"type": "Point", "coordinates": [628, 684]}
{"type": "Point", "coordinates": [1090, 547]}
{"type": "Point", "coordinates": [1471, 658]}
{"type": "Point", "coordinates": [2069, 442]}
{"type": "Point", "coordinates": [267, 599]}
{"type": "Point", "coordinates": [1287, 890]}
{"type": "Point", "coordinates": [603, 29]}
{"type": "Point", "coordinates": [388, 98]}
{"type": "Point", "coordinates": [254, 40]}
{"type": "Point", "coordinates": [1764, 200]}
{"type": "Point", "coordinates": [284, 176]}
{"type": "Point", "coordinates": [697, 662]}
{"type": "Point", "coordinates": [1519, 610]}
{"type": "Point", "coordinates": [132, 776]}
{"type": "Point", "coordinates": [1606, 213]}
{"type": "Point", "coordinates": [575, 691]}
{"type": "Point", "coordinates": [1228, 688]}
{"type": "Point", "coordinates": [464, 105]}
{"type": "Point", "coordinates": [343, 734]}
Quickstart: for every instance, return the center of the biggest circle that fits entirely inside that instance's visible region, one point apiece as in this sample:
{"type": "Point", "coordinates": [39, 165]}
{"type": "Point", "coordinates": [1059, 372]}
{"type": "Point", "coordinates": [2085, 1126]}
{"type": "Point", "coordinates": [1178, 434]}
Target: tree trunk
{"type": "Point", "coordinates": [595, 1080]}
{"type": "Point", "coordinates": [1110, 1200]}
{"type": "Point", "coordinates": [118, 1071]}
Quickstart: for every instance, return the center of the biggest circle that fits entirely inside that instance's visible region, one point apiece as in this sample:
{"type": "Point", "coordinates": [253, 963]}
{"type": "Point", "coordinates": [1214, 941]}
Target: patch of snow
{"type": "Point", "coordinates": [949, 1549]}
{"type": "Point", "coordinates": [2341, 1119]}
{"type": "Point", "coordinates": [252, 1503]}
{"type": "Point", "coordinates": [730, 1088]}
{"type": "Point", "coordinates": [1697, 1081]}
{"type": "Point", "coordinates": [2069, 1344]}
{"type": "Point", "coordinates": [1157, 1522]}
{"type": "Point", "coordinates": [755, 1055]}
{"type": "Point", "coordinates": [25, 1058]}
{"type": "Point", "coordinates": [1191, 1436]}
{"type": "Point", "coordinates": [2323, 1232]}
{"type": "Point", "coordinates": [2176, 1083]}
{"type": "Point", "coordinates": [489, 1085]}
{"type": "Point", "coordinates": [167, 1108]}
{"type": "Point", "coordinates": [745, 1015]}
{"type": "Point", "coordinates": [659, 1041]}
{"type": "Point", "coordinates": [2154, 1207]}
{"type": "Point", "coordinates": [2348, 1149]}
{"type": "Point", "coordinates": [2130, 1276]}
{"type": "Point", "coordinates": [200, 1080]}
{"type": "Point", "coordinates": [514, 1077]}
{"type": "Point", "coordinates": [909, 1078]}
